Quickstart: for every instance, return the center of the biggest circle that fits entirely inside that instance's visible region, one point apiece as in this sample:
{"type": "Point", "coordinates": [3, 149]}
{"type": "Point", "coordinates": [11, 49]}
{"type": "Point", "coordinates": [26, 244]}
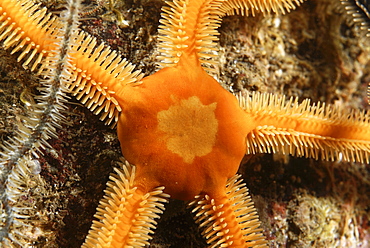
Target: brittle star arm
{"type": "Point", "coordinates": [198, 35]}
{"type": "Point", "coordinates": [316, 131]}
{"type": "Point", "coordinates": [229, 220]}
{"type": "Point", "coordinates": [126, 214]}
{"type": "Point", "coordinates": [30, 30]}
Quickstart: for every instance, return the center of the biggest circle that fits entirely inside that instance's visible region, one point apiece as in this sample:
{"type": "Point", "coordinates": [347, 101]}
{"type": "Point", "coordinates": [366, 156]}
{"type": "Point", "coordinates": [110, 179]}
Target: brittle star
{"type": "Point", "coordinates": [188, 157]}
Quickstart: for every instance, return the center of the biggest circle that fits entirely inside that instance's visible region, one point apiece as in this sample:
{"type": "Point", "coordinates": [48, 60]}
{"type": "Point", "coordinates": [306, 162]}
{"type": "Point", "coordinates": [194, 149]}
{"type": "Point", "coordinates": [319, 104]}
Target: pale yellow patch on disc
{"type": "Point", "coordinates": [190, 128]}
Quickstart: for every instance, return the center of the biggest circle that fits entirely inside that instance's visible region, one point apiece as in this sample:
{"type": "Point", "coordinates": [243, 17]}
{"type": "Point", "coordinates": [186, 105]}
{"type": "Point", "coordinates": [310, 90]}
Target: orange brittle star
{"type": "Point", "coordinates": [183, 132]}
